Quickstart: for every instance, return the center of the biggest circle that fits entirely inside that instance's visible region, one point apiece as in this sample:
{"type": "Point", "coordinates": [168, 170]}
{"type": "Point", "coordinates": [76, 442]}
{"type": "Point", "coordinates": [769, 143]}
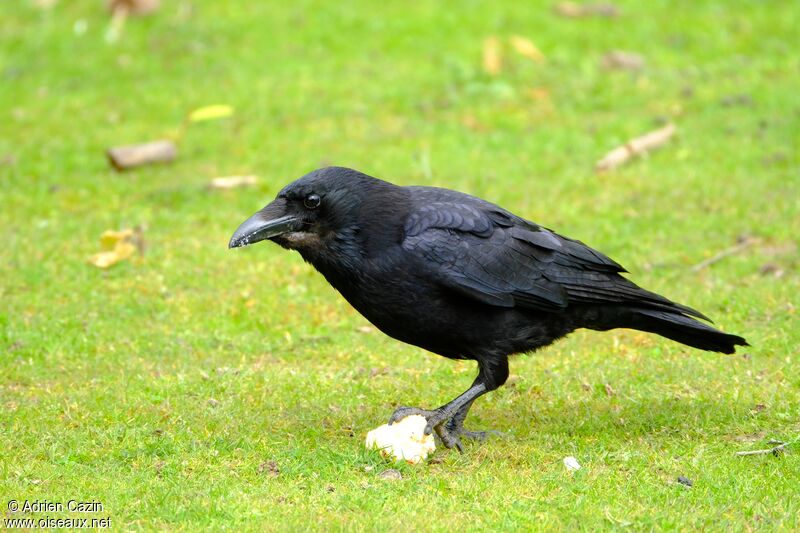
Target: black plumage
{"type": "Point", "coordinates": [461, 277]}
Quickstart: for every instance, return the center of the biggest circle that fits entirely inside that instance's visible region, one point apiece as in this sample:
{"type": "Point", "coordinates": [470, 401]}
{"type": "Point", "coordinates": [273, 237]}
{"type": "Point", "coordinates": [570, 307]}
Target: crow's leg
{"type": "Point", "coordinates": [455, 426]}
{"type": "Point", "coordinates": [448, 420]}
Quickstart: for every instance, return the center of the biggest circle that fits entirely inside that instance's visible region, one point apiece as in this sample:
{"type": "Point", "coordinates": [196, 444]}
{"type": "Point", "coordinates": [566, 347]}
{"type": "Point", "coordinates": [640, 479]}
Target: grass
{"type": "Point", "coordinates": [195, 387]}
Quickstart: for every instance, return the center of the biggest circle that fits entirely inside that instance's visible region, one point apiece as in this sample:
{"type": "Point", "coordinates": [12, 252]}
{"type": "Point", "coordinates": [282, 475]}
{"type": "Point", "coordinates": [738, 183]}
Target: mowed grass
{"type": "Point", "coordinates": [197, 387]}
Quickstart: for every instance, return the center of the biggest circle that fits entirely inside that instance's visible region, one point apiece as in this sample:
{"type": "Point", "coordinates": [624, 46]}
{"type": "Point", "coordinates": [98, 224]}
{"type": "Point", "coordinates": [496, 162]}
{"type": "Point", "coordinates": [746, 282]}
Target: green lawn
{"type": "Point", "coordinates": [197, 387]}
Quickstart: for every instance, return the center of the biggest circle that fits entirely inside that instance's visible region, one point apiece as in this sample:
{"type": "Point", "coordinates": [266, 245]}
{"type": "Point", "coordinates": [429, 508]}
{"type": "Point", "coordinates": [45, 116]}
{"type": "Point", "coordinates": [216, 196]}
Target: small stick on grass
{"type": "Point", "coordinates": [232, 182]}
{"type": "Point", "coordinates": [776, 450]}
{"type": "Point", "coordinates": [634, 147]}
{"type": "Point", "coordinates": [125, 157]}
{"type": "Point", "coordinates": [740, 246]}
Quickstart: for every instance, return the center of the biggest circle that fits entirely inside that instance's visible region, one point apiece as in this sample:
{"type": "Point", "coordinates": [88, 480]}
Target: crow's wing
{"type": "Point", "coordinates": [497, 258]}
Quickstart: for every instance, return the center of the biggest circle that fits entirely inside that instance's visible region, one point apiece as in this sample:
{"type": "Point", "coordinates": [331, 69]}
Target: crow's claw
{"type": "Point", "coordinates": [449, 438]}
{"type": "Point", "coordinates": [436, 418]}
{"type": "Point", "coordinates": [402, 412]}
{"type": "Point", "coordinates": [447, 429]}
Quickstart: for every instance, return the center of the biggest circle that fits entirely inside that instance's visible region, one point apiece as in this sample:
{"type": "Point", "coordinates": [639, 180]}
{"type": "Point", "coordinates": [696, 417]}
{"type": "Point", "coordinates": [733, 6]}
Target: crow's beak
{"type": "Point", "coordinates": [267, 223]}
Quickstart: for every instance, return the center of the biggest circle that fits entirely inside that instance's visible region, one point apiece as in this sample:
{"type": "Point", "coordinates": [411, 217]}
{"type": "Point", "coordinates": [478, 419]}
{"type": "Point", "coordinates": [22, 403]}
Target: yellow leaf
{"type": "Point", "coordinates": [110, 238]}
{"type": "Point", "coordinates": [122, 250]}
{"type": "Point", "coordinates": [116, 246]}
{"type": "Point", "coordinates": [492, 61]}
{"type": "Point", "coordinates": [526, 48]}
{"type": "Point", "coordinates": [210, 112]}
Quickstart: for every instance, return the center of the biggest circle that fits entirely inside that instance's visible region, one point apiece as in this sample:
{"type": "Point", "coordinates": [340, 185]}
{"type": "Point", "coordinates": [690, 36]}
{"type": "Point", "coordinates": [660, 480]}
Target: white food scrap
{"type": "Point", "coordinates": [571, 463]}
{"type": "Point", "coordinates": [403, 441]}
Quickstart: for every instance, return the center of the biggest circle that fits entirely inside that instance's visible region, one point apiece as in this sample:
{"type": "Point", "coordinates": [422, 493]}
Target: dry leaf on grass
{"type": "Point", "coordinates": [492, 59]}
{"type": "Point", "coordinates": [621, 60]}
{"type": "Point", "coordinates": [121, 10]}
{"type": "Point", "coordinates": [232, 182]}
{"type": "Point", "coordinates": [391, 474]}
{"type": "Point", "coordinates": [210, 112]}
{"type": "Point", "coordinates": [117, 246]}
{"type": "Point", "coordinates": [635, 147]}
{"type": "Point", "coordinates": [270, 467]}
{"type": "Point", "coordinates": [526, 48]}
{"type": "Point", "coordinates": [164, 150]}
{"type": "Point", "coordinates": [134, 7]}
{"type": "Point", "coordinates": [45, 4]}
{"type": "Point", "coordinates": [574, 10]}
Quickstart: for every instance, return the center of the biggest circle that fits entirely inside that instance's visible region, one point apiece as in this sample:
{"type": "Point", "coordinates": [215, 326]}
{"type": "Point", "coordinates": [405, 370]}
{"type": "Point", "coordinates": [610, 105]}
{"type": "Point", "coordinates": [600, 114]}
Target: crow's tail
{"type": "Point", "coordinates": [684, 329]}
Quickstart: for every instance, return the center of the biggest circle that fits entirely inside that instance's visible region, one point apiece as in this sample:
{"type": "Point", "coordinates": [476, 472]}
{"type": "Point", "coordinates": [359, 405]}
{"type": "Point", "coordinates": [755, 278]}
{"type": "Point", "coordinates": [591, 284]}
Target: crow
{"type": "Point", "coordinates": [460, 277]}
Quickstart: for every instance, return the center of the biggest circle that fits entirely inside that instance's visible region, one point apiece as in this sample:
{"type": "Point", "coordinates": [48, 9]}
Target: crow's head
{"type": "Point", "coordinates": [323, 208]}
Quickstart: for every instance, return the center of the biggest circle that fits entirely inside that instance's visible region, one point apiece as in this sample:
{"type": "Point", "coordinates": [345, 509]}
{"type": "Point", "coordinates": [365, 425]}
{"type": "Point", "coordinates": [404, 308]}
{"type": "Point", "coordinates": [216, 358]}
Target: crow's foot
{"type": "Point", "coordinates": [451, 436]}
{"type": "Point", "coordinates": [455, 430]}
{"type": "Point", "coordinates": [446, 428]}
{"type": "Point", "coordinates": [434, 417]}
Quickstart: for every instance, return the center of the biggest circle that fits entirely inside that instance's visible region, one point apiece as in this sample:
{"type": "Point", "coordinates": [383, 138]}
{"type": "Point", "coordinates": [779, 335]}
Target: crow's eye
{"type": "Point", "coordinates": [312, 201]}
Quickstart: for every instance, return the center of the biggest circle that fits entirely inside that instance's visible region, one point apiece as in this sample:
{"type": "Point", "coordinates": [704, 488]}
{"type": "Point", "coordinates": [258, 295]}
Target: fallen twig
{"type": "Point", "coordinates": [125, 157]}
{"type": "Point", "coordinates": [776, 450]}
{"type": "Point", "coordinates": [743, 244]}
{"type": "Point", "coordinates": [231, 182]}
{"type": "Point", "coordinates": [634, 147]}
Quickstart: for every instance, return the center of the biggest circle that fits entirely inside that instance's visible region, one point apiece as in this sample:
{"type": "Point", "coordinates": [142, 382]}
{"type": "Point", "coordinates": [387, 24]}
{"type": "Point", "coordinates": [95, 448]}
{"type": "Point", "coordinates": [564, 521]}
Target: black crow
{"type": "Point", "coordinates": [460, 277]}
